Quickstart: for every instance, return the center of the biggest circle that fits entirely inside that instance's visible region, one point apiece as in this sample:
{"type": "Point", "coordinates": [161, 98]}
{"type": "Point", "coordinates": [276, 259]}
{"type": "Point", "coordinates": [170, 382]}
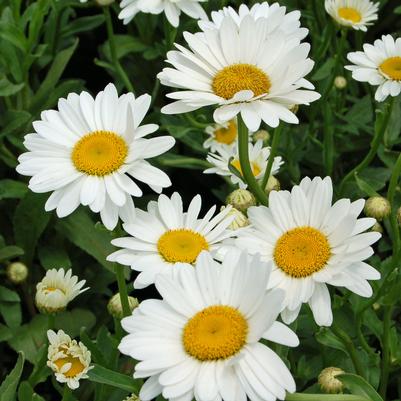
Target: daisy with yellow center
{"type": "Point", "coordinates": [258, 73]}
{"type": "Point", "coordinates": [312, 243]}
{"type": "Point", "coordinates": [90, 151]}
{"type": "Point", "coordinates": [203, 340]}
{"type": "Point", "coordinates": [165, 238]}
{"type": "Point", "coordinates": [222, 135]}
{"type": "Point", "coordinates": [379, 65]}
{"type": "Point", "coordinates": [258, 157]}
{"type": "Point", "coordinates": [69, 360]}
{"type": "Point", "coordinates": [356, 14]}
{"type": "Point", "coordinates": [57, 289]}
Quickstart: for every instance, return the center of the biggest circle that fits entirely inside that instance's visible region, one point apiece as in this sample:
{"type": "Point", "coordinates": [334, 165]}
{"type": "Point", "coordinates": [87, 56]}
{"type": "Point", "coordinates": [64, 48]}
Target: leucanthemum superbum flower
{"type": "Point", "coordinates": [356, 14]}
{"type": "Point", "coordinates": [165, 237]}
{"type": "Point", "coordinates": [312, 243]}
{"type": "Point", "coordinates": [278, 20]}
{"type": "Point", "coordinates": [379, 65]}
{"type": "Point", "coordinates": [90, 150]}
{"type": "Point", "coordinates": [68, 359]}
{"type": "Point", "coordinates": [258, 157]}
{"type": "Point", "coordinates": [239, 69]}
{"type": "Point", "coordinates": [57, 289]}
{"type": "Point", "coordinates": [202, 340]}
{"type": "Point", "coordinates": [171, 8]}
{"type": "Point", "coordinates": [221, 134]}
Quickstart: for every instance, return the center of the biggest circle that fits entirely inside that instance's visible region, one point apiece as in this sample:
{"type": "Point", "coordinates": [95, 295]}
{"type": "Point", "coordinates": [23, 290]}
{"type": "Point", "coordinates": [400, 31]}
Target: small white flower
{"type": "Point", "coordinates": [258, 157]}
{"type": "Point", "coordinates": [379, 65]}
{"type": "Point", "coordinates": [57, 289]}
{"type": "Point", "coordinates": [90, 150]}
{"type": "Point", "coordinates": [356, 14]}
{"type": "Point", "coordinates": [165, 237]}
{"type": "Point", "coordinates": [312, 243]}
{"type": "Point", "coordinates": [221, 134]}
{"type": "Point", "coordinates": [203, 339]}
{"type": "Point", "coordinates": [172, 9]}
{"type": "Point", "coordinates": [69, 360]}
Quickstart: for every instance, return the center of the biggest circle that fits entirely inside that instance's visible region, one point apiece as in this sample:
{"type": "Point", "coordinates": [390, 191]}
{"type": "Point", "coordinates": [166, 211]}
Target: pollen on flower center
{"type": "Point", "coordinates": [99, 153]}
{"type": "Point", "coordinates": [302, 251]}
{"type": "Point", "coordinates": [255, 167]}
{"type": "Point", "coordinates": [76, 365]}
{"type": "Point", "coordinates": [350, 14]}
{"type": "Point", "coordinates": [181, 245]}
{"type": "Point", "coordinates": [226, 135]}
{"type": "Point", "coordinates": [216, 332]}
{"type": "Point", "coordinates": [237, 77]}
{"type": "Point", "coordinates": [391, 67]}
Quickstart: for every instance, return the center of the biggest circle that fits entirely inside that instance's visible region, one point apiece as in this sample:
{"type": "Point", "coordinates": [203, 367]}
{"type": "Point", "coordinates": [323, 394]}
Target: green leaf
{"type": "Point", "coordinates": [13, 120]}
{"type": "Point", "coordinates": [10, 307]}
{"type": "Point", "coordinates": [7, 88]}
{"type": "Point", "coordinates": [11, 33]}
{"type": "Point", "coordinates": [7, 295]}
{"type": "Point", "coordinates": [365, 187]}
{"type": "Point", "coordinates": [10, 189]}
{"type": "Point", "coordinates": [80, 230]}
{"type": "Point", "coordinates": [52, 256]}
{"type": "Point", "coordinates": [72, 321]}
{"type": "Point", "coordinates": [10, 252]}
{"type": "Point", "coordinates": [102, 375]}
{"type": "Point", "coordinates": [82, 24]}
{"type": "Point", "coordinates": [125, 44]}
{"type": "Point", "coordinates": [178, 161]}
{"type": "Point", "coordinates": [359, 386]}
{"type": "Point", "coordinates": [30, 220]}
{"type": "Point", "coordinates": [5, 333]}
{"type": "Point", "coordinates": [8, 389]}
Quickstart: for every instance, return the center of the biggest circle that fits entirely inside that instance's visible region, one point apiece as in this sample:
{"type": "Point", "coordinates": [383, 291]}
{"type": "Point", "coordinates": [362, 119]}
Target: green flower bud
{"type": "Point", "coordinates": [115, 308]}
{"type": "Point", "coordinates": [241, 199]}
{"type": "Point", "coordinates": [17, 272]}
{"type": "Point", "coordinates": [377, 207]}
{"type": "Point", "coordinates": [340, 82]}
{"type": "Point", "coordinates": [328, 382]}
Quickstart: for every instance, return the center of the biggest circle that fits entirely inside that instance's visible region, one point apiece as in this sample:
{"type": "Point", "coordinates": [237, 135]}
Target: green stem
{"type": "Point", "coordinates": [113, 52]}
{"type": "Point", "coordinates": [323, 397]}
{"type": "Point", "coordinates": [385, 362]}
{"type": "Point", "coordinates": [67, 394]}
{"type": "Point", "coordinates": [349, 346]}
{"type": "Point", "coordinates": [328, 139]}
{"type": "Point", "coordinates": [122, 289]}
{"type": "Point", "coordinates": [377, 139]}
{"type": "Point", "coordinates": [51, 321]}
{"type": "Point", "coordinates": [245, 164]}
{"type": "Point", "coordinates": [273, 152]}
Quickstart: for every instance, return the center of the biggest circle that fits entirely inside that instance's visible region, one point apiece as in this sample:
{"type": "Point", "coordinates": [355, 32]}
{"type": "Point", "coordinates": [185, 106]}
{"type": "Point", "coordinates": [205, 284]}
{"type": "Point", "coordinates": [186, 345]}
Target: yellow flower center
{"type": "Point", "coordinates": [237, 77]}
{"type": "Point", "coordinates": [226, 135]}
{"type": "Point", "coordinates": [255, 167]}
{"type": "Point", "coordinates": [181, 245]}
{"type": "Point", "coordinates": [99, 153]}
{"type": "Point", "coordinates": [76, 365]}
{"type": "Point", "coordinates": [216, 332]}
{"type": "Point", "coordinates": [392, 68]}
{"type": "Point", "coordinates": [52, 289]}
{"type": "Point", "coordinates": [302, 251]}
{"type": "Point", "coordinates": [350, 14]}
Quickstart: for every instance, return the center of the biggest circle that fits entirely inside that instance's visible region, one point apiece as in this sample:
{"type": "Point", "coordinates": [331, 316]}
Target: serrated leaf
{"type": "Point", "coordinates": [8, 389]}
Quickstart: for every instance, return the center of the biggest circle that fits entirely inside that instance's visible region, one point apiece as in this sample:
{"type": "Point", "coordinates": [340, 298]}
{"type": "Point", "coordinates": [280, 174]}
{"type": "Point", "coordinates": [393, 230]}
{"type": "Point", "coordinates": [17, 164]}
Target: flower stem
{"type": "Point", "coordinates": [377, 139]}
{"type": "Point", "coordinates": [122, 289]}
{"type": "Point", "coordinates": [273, 152]}
{"type": "Point", "coordinates": [323, 397]}
{"type": "Point", "coordinates": [385, 362]}
{"type": "Point", "coordinates": [67, 394]}
{"type": "Point", "coordinates": [247, 173]}
{"type": "Point", "coordinates": [113, 51]}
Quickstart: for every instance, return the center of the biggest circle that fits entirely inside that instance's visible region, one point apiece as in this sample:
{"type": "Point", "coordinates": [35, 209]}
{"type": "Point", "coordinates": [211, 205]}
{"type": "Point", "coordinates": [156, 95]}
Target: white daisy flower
{"type": "Point", "coordinates": [356, 14]}
{"type": "Point", "coordinates": [89, 150]}
{"type": "Point", "coordinates": [278, 21]}
{"type": "Point", "coordinates": [221, 134]}
{"type": "Point", "coordinates": [165, 237]}
{"type": "Point", "coordinates": [69, 360]}
{"type": "Point", "coordinates": [380, 65]}
{"type": "Point", "coordinates": [57, 289]}
{"type": "Point", "coordinates": [239, 70]}
{"type": "Point", "coordinates": [172, 9]}
{"type": "Point", "coordinates": [258, 157]}
{"type": "Point", "coordinates": [312, 243]}
{"type": "Point", "coordinates": [202, 340]}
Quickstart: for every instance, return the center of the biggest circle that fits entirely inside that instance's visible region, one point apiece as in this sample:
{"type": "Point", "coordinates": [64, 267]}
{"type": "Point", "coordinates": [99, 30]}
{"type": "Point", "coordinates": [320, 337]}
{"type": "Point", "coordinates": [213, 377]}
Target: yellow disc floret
{"type": "Point", "coordinates": [99, 153]}
{"type": "Point", "coordinates": [238, 77]}
{"type": "Point", "coordinates": [76, 365]}
{"type": "Point", "coordinates": [226, 135]}
{"type": "Point", "coordinates": [181, 245]}
{"type": "Point", "coordinates": [302, 251]}
{"type": "Point", "coordinates": [391, 68]}
{"type": "Point", "coordinates": [350, 14]}
{"type": "Point", "coordinates": [216, 332]}
{"type": "Point", "coordinates": [255, 167]}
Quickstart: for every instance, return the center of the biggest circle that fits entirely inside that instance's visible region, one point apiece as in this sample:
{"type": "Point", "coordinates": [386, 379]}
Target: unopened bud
{"type": "Point", "coordinates": [116, 309]}
{"type": "Point", "coordinates": [340, 82]}
{"type": "Point", "coordinates": [17, 272]}
{"type": "Point", "coordinates": [240, 220]}
{"type": "Point", "coordinates": [399, 216]}
{"type": "Point", "coordinates": [376, 306]}
{"type": "Point", "coordinates": [262, 134]}
{"type": "Point", "coordinates": [104, 2]}
{"type": "Point", "coordinates": [241, 199]}
{"type": "Point", "coordinates": [273, 184]}
{"type": "Point", "coordinates": [377, 227]}
{"type": "Point", "coordinates": [328, 382]}
{"type": "Point", "coordinates": [132, 397]}
{"type": "Point", "coordinates": [294, 108]}
{"type": "Point", "coordinates": [377, 207]}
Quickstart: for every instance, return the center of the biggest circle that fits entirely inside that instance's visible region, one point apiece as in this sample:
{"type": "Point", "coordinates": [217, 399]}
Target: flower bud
{"type": "Point", "coordinates": [17, 272]}
{"type": "Point", "coordinates": [262, 134]}
{"type": "Point", "coordinates": [132, 397]}
{"type": "Point", "coordinates": [328, 382]}
{"type": "Point", "coordinates": [104, 2]}
{"type": "Point", "coordinates": [377, 207]}
{"type": "Point", "coordinates": [241, 199]}
{"type": "Point", "coordinates": [399, 216]}
{"type": "Point", "coordinates": [340, 82]}
{"type": "Point", "coordinates": [273, 184]}
{"type": "Point", "coordinates": [116, 309]}
{"type": "Point", "coordinates": [377, 227]}
{"type": "Point", "coordinates": [294, 108]}
{"type": "Point", "coordinates": [240, 220]}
